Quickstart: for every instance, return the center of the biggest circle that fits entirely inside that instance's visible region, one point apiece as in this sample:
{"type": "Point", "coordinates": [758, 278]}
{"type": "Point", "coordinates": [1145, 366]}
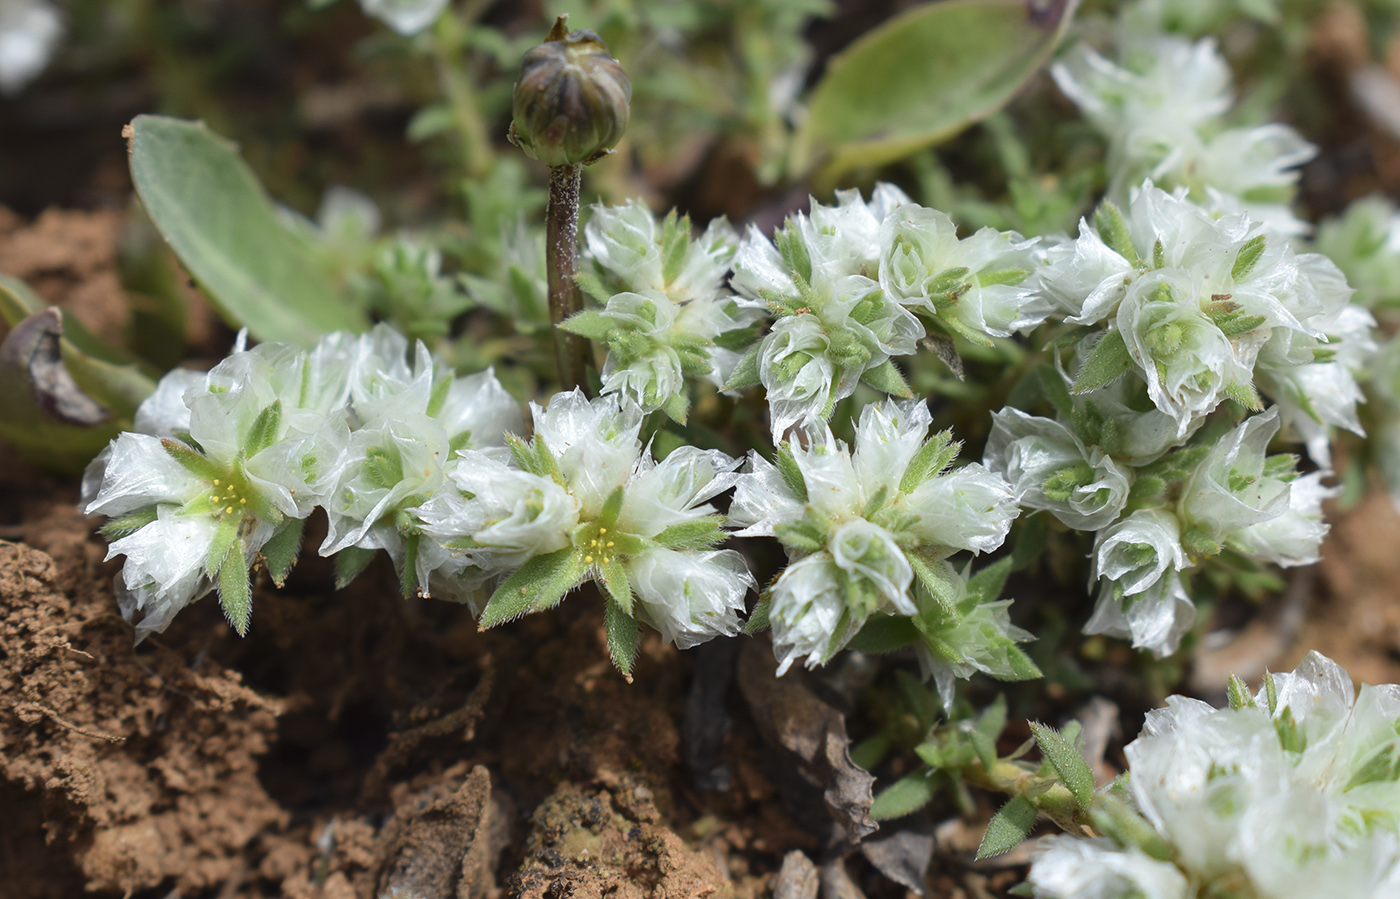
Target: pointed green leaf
{"type": "Point", "coordinates": [1068, 763]}
{"type": "Point", "coordinates": [350, 563]}
{"type": "Point", "coordinates": [616, 585]}
{"type": "Point", "coordinates": [127, 525]}
{"type": "Point", "coordinates": [937, 580]}
{"type": "Point", "coordinates": [225, 534]}
{"type": "Point", "coordinates": [1007, 828]}
{"type": "Point", "coordinates": [1238, 692]}
{"type": "Point", "coordinates": [676, 406]}
{"type": "Point", "coordinates": [903, 797]}
{"type": "Point", "coordinates": [283, 548]}
{"type": "Point", "coordinates": [696, 534]}
{"type": "Point", "coordinates": [590, 323]}
{"type": "Point", "coordinates": [746, 372]}
{"type": "Point", "coordinates": [624, 636]}
{"type": "Point", "coordinates": [235, 589]}
{"type": "Point", "coordinates": [1245, 395]}
{"type": "Point", "coordinates": [1107, 361]}
{"type": "Point", "coordinates": [886, 377]}
{"type": "Point", "coordinates": [408, 569]}
{"type": "Point", "coordinates": [885, 633]}
{"type": "Point", "coordinates": [193, 461]}
{"type": "Point", "coordinates": [538, 584]}
{"type": "Point", "coordinates": [988, 583]}
{"type": "Point", "coordinates": [209, 206]}
{"type": "Point", "coordinates": [758, 619]}
{"type": "Point", "coordinates": [591, 284]}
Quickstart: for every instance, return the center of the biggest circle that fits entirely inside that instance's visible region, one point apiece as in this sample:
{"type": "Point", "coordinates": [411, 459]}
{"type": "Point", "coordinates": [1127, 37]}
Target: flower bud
{"type": "Point", "coordinates": [571, 102]}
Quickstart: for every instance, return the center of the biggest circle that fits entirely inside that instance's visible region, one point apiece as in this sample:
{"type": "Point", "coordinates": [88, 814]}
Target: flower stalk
{"type": "Point", "coordinates": [571, 352]}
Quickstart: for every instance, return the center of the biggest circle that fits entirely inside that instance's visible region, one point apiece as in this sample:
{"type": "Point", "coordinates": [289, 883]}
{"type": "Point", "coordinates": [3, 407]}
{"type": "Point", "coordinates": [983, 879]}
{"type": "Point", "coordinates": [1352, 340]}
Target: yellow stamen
{"type": "Point", "coordinates": [602, 530]}
{"type": "Point", "coordinates": [610, 544]}
{"type": "Point", "coordinates": [229, 509]}
{"type": "Point", "coordinates": [216, 482]}
{"type": "Point", "coordinates": [588, 559]}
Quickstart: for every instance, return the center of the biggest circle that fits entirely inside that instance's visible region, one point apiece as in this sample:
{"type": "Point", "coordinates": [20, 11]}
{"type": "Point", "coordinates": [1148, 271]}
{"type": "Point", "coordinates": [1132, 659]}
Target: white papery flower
{"type": "Point", "coordinates": [847, 239]}
{"type": "Point", "coordinates": [1161, 111]}
{"type": "Point", "coordinates": [1294, 793]}
{"type": "Point", "coordinates": [594, 495]}
{"type": "Point", "coordinates": [1137, 551]}
{"type": "Point", "coordinates": [1154, 619]}
{"type": "Point", "coordinates": [1050, 468]}
{"type": "Point", "coordinates": [856, 517]}
{"type": "Point", "coordinates": [1365, 244]}
{"type": "Point", "coordinates": [29, 31]}
{"type": "Point", "coordinates": [407, 17]}
{"type": "Point", "coordinates": [1097, 868]}
{"type": "Point", "coordinates": [1232, 489]}
{"type": "Point", "coordinates": [1294, 537]}
{"type": "Point", "coordinates": [978, 285]}
{"type": "Point", "coordinates": [627, 246]}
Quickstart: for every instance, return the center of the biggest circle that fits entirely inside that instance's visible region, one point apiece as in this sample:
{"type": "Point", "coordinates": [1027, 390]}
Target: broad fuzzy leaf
{"type": "Point", "coordinates": [538, 584]}
{"type": "Point", "coordinates": [1007, 828]}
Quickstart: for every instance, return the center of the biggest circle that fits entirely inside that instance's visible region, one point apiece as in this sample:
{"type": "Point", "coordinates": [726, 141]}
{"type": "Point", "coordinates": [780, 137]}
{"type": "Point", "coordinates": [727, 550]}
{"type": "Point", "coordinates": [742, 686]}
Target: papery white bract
{"type": "Point", "coordinates": [407, 17]}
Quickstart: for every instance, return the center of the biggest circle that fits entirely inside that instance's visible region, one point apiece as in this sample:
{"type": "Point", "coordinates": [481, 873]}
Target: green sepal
{"type": "Point", "coordinates": [887, 377]}
{"type": "Point", "coordinates": [282, 549]}
{"type": "Point", "coordinates": [937, 453]}
{"type": "Point", "coordinates": [1246, 258]}
{"type": "Point", "coordinates": [936, 581]}
{"type": "Point", "coordinates": [736, 340]}
{"type": "Point", "coordinates": [885, 633]}
{"type": "Point", "coordinates": [350, 563]}
{"type": "Point", "coordinates": [194, 462]}
{"type": "Point", "coordinates": [591, 284]}
{"type": "Point", "coordinates": [1008, 828]}
{"type": "Point", "coordinates": [225, 535]}
{"type": "Point", "coordinates": [1113, 229]}
{"type": "Point", "coordinates": [1199, 544]}
{"type": "Point", "coordinates": [1107, 362]}
{"type": "Point", "coordinates": [987, 584]}
{"type": "Point", "coordinates": [905, 796]}
{"type": "Point", "coordinates": [677, 405]}
{"type": "Point", "coordinates": [791, 472]}
{"type": "Point", "coordinates": [590, 323]}
{"type": "Point", "coordinates": [1008, 276]}
{"type": "Point", "coordinates": [612, 507]}
{"type": "Point", "coordinates": [235, 589]}
{"type": "Point", "coordinates": [1238, 692]}
{"type": "Point", "coordinates": [266, 429]}
{"type": "Point", "coordinates": [696, 534]}
{"type": "Point", "coordinates": [1064, 756]}
{"type": "Point", "coordinates": [128, 524]}
{"type": "Point", "coordinates": [408, 571]}
{"type": "Point", "coordinates": [758, 618]}
{"type": "Point", "coordinates": [1244, 394]}
{"type": "Point", "coordinates": [745, 374]}
{"type": "Point", "coordinates": [616, 585]}
{"type": "Point", "coordinates": [534, 457]}
{"type": "Point", "coordinates": [624, 636]}
{"type": "Point", "coordinates": [538, 584]}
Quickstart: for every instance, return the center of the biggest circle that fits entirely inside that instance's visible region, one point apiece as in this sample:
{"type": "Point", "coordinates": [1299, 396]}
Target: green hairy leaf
{"type": "Point", "coordinates": [1068, 763]}
{"type": "Point", "coordinates": [1007, 828]}
{"type": "Point", "coordinates": [350, 563]}
{"type": "Point", "coordinates": [209, 206]}
{"type": "Point", "coordinates": [235, 590]}
{"type": "Point", "coordinates": [624, 636]}
{"type": "Point", "coordinates": [538, 584]}
{"type": "Point", "coordinates": [1107, 361]}
{"type": "Point", "coordinates": [887, 377]}
{"type": "Point", "coordinates": [282, 550]}
{"type": "Point", "coordinates": [905, 796]}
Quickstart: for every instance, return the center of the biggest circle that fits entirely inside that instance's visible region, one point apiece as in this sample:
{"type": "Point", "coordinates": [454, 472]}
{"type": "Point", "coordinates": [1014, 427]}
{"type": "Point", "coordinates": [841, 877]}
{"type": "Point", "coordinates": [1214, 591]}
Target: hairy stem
{"type": "Point", "coordinates": [571, 352]}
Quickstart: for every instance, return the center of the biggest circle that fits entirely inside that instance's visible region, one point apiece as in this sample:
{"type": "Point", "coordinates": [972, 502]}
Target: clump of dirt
{"type": "Point", "coordinates": [142, 769]}
{"type": "Point", "coordinates": [595, 843]}
{"type": "Point", "coordinates": [70, 259]}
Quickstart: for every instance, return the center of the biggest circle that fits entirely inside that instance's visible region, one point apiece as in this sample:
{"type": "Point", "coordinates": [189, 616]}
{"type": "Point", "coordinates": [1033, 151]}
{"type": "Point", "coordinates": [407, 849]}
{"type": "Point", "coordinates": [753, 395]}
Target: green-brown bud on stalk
{"type": "Point", "coordinates": [571, 102]}
{"type": "Point", "coordinates": [570, 111]}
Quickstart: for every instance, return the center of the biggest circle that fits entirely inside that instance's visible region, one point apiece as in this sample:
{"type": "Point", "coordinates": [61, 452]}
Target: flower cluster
{"type": "Point", "coordinates": [1293, 792]}
{"type": "Point", "coordinates": [853, 285]}
{"type": "Point", "coordinates": [1204, 309]}
{"type": "Point", "coordinates": [664, 305]}
{"type": "Point", "coordinates": [869, 530]}
{"type": "Point", "coordinates": [226, 465]}
{"type": "Point", "coordinates": [1162, 109]}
